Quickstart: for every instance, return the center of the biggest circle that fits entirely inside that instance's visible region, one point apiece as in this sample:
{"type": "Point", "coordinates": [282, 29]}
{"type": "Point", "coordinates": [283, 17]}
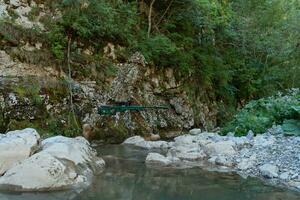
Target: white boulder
{"type": "Point", "coordinates": [185, 140]}
{"type": "Point", "coordinates": [16, 146]}
{"type": "Point", "coordinates": [191, 152]}
{"type": "Point", "coordinates": [76, 150]}
{"type": "Point", "coordinates": [284, 176]}
{"type": "Point", "coordinates": [195, 131]}
{"type": "Point", "coordinates": [157, 159]}
{"type": "Point", "coordinates": [220, 148]}
{"type": "Point", "coordinates": [269, 170]}
{"type": "Point", "coordinates": [134, 140]}
{"type": "Point", "coordinates": [141, 142]}
{"type": "Point", "coordinates": [246, 164]}
{"type": "Point", "coordinates": [62, 163]}
{"type": "Point", "coordinates": [40, 172]}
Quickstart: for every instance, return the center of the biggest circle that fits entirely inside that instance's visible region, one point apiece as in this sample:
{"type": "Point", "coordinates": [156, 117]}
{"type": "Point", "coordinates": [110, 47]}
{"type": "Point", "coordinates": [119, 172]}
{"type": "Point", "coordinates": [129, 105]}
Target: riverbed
{"type": "Point", "coordinates": [126, 177]}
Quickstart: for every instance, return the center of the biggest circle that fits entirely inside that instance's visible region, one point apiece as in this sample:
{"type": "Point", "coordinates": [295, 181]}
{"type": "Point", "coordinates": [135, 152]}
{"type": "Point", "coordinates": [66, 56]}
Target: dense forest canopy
{"type": "Point", "coordinates": [232, 50]}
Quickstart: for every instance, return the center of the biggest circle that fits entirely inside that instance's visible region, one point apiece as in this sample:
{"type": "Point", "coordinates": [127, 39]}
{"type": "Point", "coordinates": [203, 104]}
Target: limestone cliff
{"type": "Point", "coordinates": [35, 90]}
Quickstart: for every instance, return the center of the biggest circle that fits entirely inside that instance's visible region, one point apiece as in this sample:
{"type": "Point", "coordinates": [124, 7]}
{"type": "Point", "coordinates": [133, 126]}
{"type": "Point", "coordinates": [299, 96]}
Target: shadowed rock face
{"type": "Point", "coordinates": [138, 84]}
{"type": "Point", "coordinates": [61, 163]}
{"type": "Point", "coordinates": [41, 96]}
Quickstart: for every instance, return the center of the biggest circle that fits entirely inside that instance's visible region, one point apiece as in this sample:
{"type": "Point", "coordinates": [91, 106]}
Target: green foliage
{"type": "Point", "coordinates": [34, 12]}
{"type": "Point", "coordinates": [259, 115]}
{"type": "Point", "coordinates": [219, 48]}
{"type": "Point", "coordinates": [31, 91]}
{"type": "Point", "coordinates": [93, 23]}
{"type": "Point", "coordinates": [58, 42]}
{"type": "Point", "coordinates": [48, 126]}
{"type": "Point", "coordinates": [65, 125]}
{"type": "Point", "coordinates": [159, 49]}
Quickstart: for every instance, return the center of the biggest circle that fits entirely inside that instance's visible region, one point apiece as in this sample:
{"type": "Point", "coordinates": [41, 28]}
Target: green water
{"type": "Point", "coordinates": [127, 178]}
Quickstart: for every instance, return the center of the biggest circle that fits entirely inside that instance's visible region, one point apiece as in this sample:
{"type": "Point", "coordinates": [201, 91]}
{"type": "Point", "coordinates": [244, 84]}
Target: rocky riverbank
{"type": "Point", "coordinates": [270, 156]}
{"type": "Point", "coordinates": [29, 164]}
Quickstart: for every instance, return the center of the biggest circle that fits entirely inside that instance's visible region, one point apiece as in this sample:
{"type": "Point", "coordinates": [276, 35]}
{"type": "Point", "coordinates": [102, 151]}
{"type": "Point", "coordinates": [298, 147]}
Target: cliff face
{"type": "Point", "coordinates": [35, 90]}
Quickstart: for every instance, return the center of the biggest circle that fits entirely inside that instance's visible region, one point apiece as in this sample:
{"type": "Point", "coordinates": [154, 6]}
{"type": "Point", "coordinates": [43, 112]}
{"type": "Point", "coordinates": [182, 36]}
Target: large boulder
{"type": "Point", "coordinates": [76, 150]}
{"type": "Point", "coordinates": [220, 148]}
{"type": "Point", "coordinates": [185, 140]}
{"type": "Point", "coordinates": [62, 163]}
{"type": "Point", "coordinates": [16, 146]}
{"type": "Point", "coordinates": [246, 164]}
{"type": "Point", "coordinates": [188, 152]}
{"type": "Point", "coordinates": [40, 172]}
{"type": "Point", "coordinates": [269, 171]}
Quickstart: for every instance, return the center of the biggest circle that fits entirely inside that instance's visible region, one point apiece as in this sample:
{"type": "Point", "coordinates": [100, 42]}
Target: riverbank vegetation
{"type": "Point", "coordinates": [233, 51]}
{"type": "Point", "coordinates": [259, 115]}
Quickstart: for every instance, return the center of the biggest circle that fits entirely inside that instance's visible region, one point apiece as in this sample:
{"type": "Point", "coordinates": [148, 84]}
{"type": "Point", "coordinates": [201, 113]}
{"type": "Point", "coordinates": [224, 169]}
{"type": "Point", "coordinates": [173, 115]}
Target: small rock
{"type": "Point", "coordinates": [230, 134]}
{"type": "Point", "coordinates": [87, 131]}
{"type": "Point", "coordinates": [250, 135]}
{"type": "Point", "coordinates": [154, 137]}
{"type": "Point", "coordinates": [195, 131]}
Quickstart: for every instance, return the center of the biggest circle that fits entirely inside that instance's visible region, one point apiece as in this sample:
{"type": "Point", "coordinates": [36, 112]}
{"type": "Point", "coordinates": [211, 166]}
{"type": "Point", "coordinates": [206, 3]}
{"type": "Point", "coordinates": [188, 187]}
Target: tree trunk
{"type": "Point", "coordinates": [70, 83]}
{"type": "Point", "coordinates": [150, 17]}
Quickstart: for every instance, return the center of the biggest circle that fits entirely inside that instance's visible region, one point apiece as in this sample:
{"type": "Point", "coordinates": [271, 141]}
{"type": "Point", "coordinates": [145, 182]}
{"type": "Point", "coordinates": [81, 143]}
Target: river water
{"type": "Point", "coordinates": [127, 178]}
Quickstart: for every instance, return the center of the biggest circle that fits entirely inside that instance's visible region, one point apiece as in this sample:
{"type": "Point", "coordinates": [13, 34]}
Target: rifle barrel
{"type": "Point", "coordinates": [111, 109]}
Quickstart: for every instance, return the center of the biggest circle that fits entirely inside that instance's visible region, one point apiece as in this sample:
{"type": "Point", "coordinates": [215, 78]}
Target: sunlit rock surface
{"type": "Point", "coordinates": [16, 146]}
{"type": "Point", "coordinates": [61, 163]}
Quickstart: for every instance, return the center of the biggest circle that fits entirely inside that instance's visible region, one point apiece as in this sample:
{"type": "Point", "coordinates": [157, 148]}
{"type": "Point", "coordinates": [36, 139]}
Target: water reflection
{"type": "Point", "coordinates": [127, 178]}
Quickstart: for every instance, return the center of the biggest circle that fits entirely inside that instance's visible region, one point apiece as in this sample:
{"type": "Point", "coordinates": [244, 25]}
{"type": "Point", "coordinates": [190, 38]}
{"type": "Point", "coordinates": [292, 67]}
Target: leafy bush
{"type": "Point", "coordinates": [259, 115]}
{"type": "Point", "coordinates": [92, 23]}
{"type": "Point", "coordinates": [159, 49]}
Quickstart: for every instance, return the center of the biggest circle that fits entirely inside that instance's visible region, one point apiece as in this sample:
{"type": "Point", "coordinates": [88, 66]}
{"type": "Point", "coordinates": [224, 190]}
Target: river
{"type": "Point", "coordinates": [126, 177]}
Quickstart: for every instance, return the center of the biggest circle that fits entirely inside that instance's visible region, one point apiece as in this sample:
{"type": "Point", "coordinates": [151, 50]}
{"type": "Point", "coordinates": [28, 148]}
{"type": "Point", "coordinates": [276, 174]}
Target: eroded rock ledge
{"type": "Point", "coordinates": [270, 156]}
{"type": "Point", "coordinates": [56, 163]}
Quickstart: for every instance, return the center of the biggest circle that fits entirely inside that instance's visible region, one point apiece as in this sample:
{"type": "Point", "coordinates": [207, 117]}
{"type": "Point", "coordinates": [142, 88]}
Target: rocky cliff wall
{"type": "Point", "coordinates": [35, 90]}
